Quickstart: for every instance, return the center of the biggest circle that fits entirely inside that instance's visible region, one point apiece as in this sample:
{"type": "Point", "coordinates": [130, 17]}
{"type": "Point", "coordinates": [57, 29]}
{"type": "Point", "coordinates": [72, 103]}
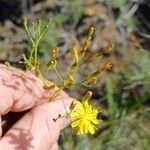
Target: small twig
{"type": "Point", "coordinates": [57, 73]}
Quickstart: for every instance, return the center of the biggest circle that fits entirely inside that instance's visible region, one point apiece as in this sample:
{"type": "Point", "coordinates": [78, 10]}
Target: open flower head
{"type": "Point", "coordinates": [84, 117]}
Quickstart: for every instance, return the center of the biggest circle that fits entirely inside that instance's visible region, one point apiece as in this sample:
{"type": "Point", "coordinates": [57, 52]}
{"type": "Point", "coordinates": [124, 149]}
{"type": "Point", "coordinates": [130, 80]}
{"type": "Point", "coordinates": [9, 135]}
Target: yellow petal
{"type": "Point", "coordinates": [95, 121]}
{"type": "Point", "coordinates": [91, 129]}
{"type": "Point", "coordinates": [74, 115]}
{"type": "Point", "coordinates": [79, 105]}
{"type": "Point", "coordinates": [75, 123]}
{"type": "Point", "coordinates": [81, 127]}
{"type": "Point", "coordinates": [94, 112]}
{"type": "Point", "coordinates": [86, 105]}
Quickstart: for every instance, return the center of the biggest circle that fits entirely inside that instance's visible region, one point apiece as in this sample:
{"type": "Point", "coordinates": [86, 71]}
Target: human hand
{"type": "Point", "coordinates": [36, 130]}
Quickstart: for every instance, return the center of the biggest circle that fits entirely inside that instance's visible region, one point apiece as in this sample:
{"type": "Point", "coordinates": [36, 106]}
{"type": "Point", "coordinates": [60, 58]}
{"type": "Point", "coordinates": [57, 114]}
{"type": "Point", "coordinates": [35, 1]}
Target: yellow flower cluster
{"type": "Point", "coordinates": [84, 116]}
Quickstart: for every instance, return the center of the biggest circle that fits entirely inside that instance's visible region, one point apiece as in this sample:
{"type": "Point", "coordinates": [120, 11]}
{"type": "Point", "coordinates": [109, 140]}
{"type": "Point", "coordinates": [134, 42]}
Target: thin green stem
{"type": "Point", "coordinates": [28, 34]}
{"type": "Point", "coordinates": [31, 54]}
{"type": "Point", "coordinates": [64, 104]}
{"type": "Point", "coordinates": [35, 56]}
{"type": "Point", "coordinates": [55, 94]}
{"type": "Point", "coordinates": [57, 73]}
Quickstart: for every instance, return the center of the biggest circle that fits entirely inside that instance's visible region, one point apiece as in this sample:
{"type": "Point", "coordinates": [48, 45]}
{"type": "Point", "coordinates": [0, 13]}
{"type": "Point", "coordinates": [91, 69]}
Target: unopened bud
{"type": "Point", "coordinates": [90, 81]}
{"type": "Point", "coordinates": [106, 67]}
{"type": "Point", "coordinates": [76, 132]}
{"type": "Point", "coordinates": [73, 104]}
{"type": "Point", "coordinates": [73, 68]}
{"type": "Point", "coordinates": [55, 50]}
{"type": "Point", "coordinates": [49, 87]}
{"type": "Point", "coordinates": [70, 81]}
{"type": "Point", "coordinates": [99, 110]}
{"type": "Point", "coordinates": [85, 45]}
{"type": "Point", "coordinates": [109, 48]}
{"type": "Point", "coordinates": [37, 68]}
{"type": "Point", "coordinates": [91, 31]}
{"type": "Point", "coordinates": [51, 64]}
{"type": "Point", "coordinates": [87, 96]}
{"type": "Point", "coordinates": [75, 55]}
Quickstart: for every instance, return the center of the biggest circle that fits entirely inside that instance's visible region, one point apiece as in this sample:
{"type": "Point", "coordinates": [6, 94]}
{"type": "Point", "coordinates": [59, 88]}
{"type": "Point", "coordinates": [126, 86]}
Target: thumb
{"type": "Point", "coordinates": [37, 130]}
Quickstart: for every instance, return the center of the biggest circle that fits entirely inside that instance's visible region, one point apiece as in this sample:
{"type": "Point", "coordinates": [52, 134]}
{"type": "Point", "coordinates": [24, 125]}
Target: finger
{"type": "Point", "coordinates": [54, 146]}
{"type": "Point", "coordinates": [37, 129]}
{"type": "Point", "coordinates": [10, 119]}
{"type": "Point", "coordinates": [20, 91]}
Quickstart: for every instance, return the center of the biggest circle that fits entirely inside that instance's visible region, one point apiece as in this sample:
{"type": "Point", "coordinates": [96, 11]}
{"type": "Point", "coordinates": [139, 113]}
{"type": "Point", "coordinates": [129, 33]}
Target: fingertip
{"type": "Point", "coordinates": [54, 146]}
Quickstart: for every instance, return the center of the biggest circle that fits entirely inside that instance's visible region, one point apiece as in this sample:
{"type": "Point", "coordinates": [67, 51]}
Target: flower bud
{"type": "Point", "coordinates": [49, 87]}
{"type": "Point", "coordinates": [73, 68]}
{"type": "Point", "coordinates": [70, 81]}
{"type": "Point", "coordinates": [109, 48]}
{"type": "Point", "coordinates": [75, 55]}
{"type": "Point", "coordinates": [76, 132]}
{"type": "Point", "coordinates": [105, 67]}
{"type": "Point", "coordinates": [73, 104]}
{"type": "Point", "coordinates": [90, 81]}
{"type": "Point", "coordinates": [87, 96]}
{"type": "Point", "coordinates": [91, 31]}
{"type": "Point", "coordinates": [51, 64]}
{"type": "Point", "coordinates": [37, 69]}
{"type": "Point", "coordinates": [55, 50]}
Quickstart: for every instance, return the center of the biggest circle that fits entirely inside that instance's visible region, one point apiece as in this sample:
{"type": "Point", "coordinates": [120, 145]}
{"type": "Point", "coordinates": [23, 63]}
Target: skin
{"type": "Point", "coordinates": [35, 128]}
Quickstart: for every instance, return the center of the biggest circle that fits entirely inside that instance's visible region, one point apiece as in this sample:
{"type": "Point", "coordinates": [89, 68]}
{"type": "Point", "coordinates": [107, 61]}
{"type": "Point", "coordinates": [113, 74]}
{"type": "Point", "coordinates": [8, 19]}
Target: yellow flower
{"type": "Point", "coordinates": [84, 117]}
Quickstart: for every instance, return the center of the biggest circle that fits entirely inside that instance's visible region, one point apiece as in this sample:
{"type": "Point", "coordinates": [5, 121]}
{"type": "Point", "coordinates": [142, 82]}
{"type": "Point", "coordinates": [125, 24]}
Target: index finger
{"type": "Point", "coordinates": [19, 90]}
